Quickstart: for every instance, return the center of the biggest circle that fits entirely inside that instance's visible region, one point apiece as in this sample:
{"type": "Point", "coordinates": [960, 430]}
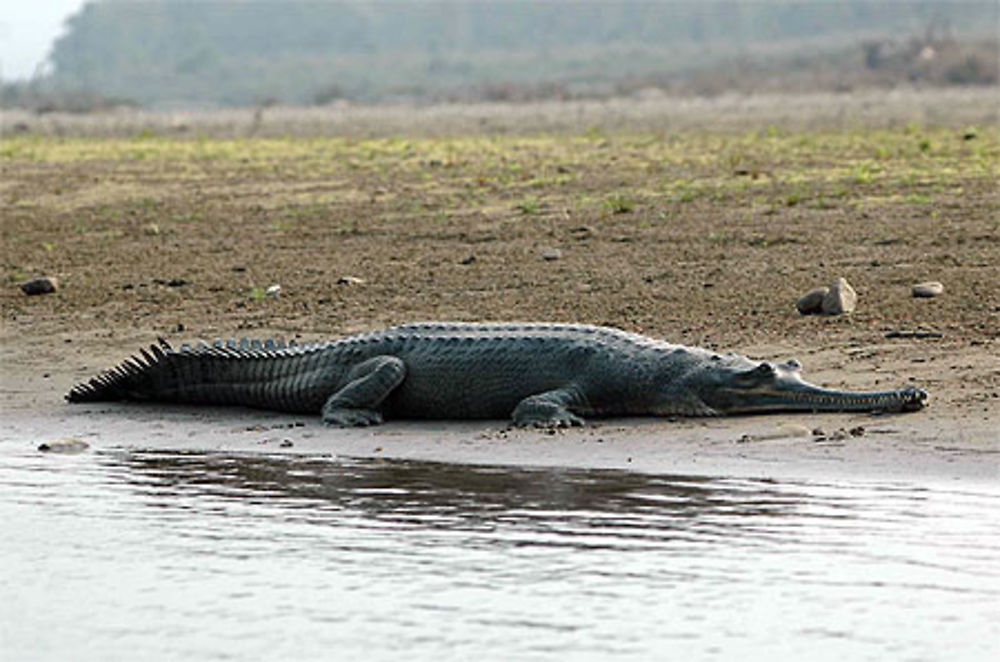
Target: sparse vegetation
{"type": "Point", "coordinates": [619, 204]}
{"type": "Point", "coordinates": [528, 206]}
{"type": "Point", "coordinates": [257, 293]}
{"type": "Point", "coordinates": [307, 211]}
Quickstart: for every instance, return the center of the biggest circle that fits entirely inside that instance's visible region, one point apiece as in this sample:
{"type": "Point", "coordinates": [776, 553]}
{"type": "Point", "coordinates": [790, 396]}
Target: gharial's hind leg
{"type": "Point", "coordinates": [369, 383]}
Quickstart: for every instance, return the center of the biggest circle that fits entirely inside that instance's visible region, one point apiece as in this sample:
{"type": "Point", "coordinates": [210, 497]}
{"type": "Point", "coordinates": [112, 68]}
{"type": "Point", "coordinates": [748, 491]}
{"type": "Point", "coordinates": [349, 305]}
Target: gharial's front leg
{"type": "Point", "coordinates": [369, 383]}
{"type": "Point", "coordinates": [551, 409]}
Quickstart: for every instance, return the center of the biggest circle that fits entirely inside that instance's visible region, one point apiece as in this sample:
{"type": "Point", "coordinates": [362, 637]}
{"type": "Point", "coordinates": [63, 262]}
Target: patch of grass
{"type": "Point", "coordinates": [820, 202]}
{"type": "Point", "coordinates": [863, 172]}
{"type": "Point", "coordinates": [793, 198]}
{"type": "Point", "coordinates": [619, 204]}
{"type": "Point", "coordinates": [684, 195]}
{"type": "Point", "coordinates": [257, 293]}
{"type": "Point", "coordinates": [528, 206]}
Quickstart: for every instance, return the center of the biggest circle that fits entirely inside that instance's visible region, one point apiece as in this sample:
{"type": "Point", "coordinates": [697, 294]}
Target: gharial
{"type": "Point", "coordinates": [538, 374]}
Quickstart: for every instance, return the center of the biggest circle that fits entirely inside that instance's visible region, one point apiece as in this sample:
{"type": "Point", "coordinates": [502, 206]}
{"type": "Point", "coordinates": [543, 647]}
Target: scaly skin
{"type": "Point", "coordinates": [538, 374]}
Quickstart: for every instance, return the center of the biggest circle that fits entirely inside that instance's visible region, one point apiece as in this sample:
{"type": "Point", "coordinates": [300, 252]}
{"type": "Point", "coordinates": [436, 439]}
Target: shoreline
{"type": "Point", "coordinates": [913, 447]}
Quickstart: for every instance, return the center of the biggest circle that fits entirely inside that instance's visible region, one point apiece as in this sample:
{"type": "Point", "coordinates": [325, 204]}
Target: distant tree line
{"type": "Point", "coordinates": [162, 53]}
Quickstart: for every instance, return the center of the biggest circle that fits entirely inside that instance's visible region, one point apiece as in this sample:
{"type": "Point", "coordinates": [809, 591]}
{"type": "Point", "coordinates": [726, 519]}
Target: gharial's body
{"type": "Point", "coordinates": [538, 374]}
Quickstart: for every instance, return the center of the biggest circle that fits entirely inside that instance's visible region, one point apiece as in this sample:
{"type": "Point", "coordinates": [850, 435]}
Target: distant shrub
{"type": "Point", "coordinates": [973, 69]}
{"type": "Point", "coordinates": [36, 96]}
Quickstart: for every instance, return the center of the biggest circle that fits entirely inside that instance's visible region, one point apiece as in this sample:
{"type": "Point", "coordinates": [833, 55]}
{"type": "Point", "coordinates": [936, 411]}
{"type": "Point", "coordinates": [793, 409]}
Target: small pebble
{"type": "Point", "coordinates": [931, 288]}
{"type": "Point", "coordinates": [550, 254]}
{"type": "Point", "coordinates": [46, 285]}
{"type": "Point", "coordinates": [792, 430]}
{"type": "Point", "coordinates": [811, 303]}
{"type": "Point", "coordinates": [841, 299]}
{"type": "Point", "coordinates": [65, 446]}
{"type": "Point", "coordinates": [350, 280]}
{"type": "Point", "coordinates": [273, 291]}
{"type": "Point", "coordinates": [286, 443]}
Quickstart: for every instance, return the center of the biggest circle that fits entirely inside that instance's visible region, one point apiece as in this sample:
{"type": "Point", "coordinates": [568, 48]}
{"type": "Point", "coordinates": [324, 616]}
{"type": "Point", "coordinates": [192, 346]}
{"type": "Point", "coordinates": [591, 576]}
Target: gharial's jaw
{"type": "Point", "coordinates": [801, 396]}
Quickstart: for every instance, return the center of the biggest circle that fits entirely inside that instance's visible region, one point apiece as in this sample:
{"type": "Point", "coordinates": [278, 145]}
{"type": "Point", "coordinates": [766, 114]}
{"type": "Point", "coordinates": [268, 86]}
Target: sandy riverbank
{"type": "Point", "coordinates": [676, 230]}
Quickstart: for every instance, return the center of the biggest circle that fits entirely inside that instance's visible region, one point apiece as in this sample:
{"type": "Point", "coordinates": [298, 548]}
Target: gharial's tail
{"type": "Point", "coordinates": [132, 379]}
{"type": "Point", "coordinates": [204, 373]}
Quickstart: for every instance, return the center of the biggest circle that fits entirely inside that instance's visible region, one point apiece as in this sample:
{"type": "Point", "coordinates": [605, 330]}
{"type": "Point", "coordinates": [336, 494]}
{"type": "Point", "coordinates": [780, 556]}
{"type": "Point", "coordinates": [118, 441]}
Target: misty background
{"type": "Point", "coordinates": [169, 54]}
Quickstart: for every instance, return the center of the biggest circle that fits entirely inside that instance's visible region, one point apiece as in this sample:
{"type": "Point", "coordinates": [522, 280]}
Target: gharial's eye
{"type": "Point", "coordinates": [764, 371]}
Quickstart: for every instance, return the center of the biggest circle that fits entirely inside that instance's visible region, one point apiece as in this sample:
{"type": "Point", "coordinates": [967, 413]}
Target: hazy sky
{"type": "Point", "coordinates": [27, 30]}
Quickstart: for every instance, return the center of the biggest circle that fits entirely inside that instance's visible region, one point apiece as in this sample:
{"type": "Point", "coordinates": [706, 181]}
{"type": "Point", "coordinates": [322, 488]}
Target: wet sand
{"type": "Point", "coordinates": [937, 444]}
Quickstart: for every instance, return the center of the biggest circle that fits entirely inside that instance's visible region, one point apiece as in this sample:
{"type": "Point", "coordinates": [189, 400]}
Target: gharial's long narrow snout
{"type": "Point", "coordinates": [806, 397]}
{"type": "Point", "coordinates": [780, 388]}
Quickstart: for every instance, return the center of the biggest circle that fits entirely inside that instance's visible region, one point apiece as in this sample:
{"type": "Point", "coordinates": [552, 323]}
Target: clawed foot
{"type": "Point", "coordinates": [562, 419]}
{"type": "Point", "coordinates": [352, 418]}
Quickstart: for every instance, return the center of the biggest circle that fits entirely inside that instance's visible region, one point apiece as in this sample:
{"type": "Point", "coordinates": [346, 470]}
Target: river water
{"type": "Point", "coordinates": [157, 555]}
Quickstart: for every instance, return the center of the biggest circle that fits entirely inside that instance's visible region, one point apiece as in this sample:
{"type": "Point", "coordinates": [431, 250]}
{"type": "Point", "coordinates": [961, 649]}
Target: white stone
{"type": "Point", "coordinates": [929, 289]}
{"type": "Point", "coordinates": [841, 299]}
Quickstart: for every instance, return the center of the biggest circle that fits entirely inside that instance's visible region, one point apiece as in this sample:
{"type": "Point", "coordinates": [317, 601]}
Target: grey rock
{"type": "Point", "coordinates": [841, 299]}
{"type": "Point", "coordinates": [811, 303]}
{"type": "Point", "coordinates": [46, 285]}
{"type": "Point", "coordinates": [929, 289]}
{"type": "Point", "coordinates": [550, 254]}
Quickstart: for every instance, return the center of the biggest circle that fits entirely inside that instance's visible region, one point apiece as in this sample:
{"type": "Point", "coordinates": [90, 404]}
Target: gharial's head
{"type": "Point", "coordinates": [735, 385]}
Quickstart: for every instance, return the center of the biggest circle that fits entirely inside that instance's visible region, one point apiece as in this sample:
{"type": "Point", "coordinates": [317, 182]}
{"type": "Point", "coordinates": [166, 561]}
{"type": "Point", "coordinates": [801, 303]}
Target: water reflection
{"type": "Point", "coordinates": [222, 556]}
{"type": "Point", "coordinates": [580, 508]}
